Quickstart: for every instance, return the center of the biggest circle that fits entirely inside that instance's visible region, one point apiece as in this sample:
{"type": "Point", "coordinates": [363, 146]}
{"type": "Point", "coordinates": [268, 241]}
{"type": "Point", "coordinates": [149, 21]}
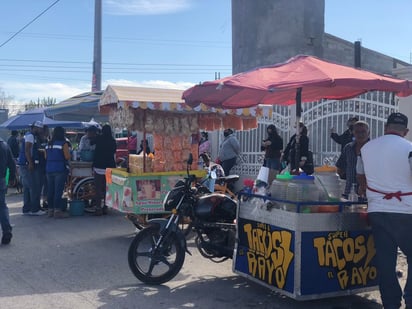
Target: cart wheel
{"type": "Point", "coordinates": [85, 190]}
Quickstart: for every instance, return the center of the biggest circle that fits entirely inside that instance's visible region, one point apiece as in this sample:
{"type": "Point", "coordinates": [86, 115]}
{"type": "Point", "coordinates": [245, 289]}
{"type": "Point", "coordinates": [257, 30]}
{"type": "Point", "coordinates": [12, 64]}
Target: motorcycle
{"type": "Point", "coordinates": [157, 253]}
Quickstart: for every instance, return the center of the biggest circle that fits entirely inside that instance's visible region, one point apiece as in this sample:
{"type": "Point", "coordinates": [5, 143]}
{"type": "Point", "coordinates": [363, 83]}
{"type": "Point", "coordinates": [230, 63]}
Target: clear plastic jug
{"type": "Point", "coordinates": [302, 188]}
{"type": "Point", "coordinates": [328, 183]}
{"type": "Point", "coordinates": [278, 188]}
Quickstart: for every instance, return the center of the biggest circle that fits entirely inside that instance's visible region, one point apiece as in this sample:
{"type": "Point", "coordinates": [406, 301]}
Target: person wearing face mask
{"type": "Point", "coordinates": [305, 162]}
{"type": "Point", "coordinates": [272, 146]}
{"type": "Point", "coordinates": [204, 143]}
{"type": "Point", "coordinates": [343, 139]}
{"type": "Point", "coordinates": [229, 151]}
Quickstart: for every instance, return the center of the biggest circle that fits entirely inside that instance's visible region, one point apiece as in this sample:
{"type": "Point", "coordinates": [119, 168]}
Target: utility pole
{"type": "Point", "coordinates": [97, 53]}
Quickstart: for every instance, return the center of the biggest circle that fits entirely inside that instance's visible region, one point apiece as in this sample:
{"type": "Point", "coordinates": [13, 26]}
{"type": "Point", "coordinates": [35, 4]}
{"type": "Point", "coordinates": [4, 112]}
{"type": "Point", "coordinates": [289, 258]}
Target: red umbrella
{"type": "Point", "coordinates": [300, 79]}
{"type": "Point", "coordinates": [280, 84]}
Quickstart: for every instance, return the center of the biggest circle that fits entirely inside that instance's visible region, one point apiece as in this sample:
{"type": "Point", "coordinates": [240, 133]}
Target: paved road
{"type": "Point", "coordinates": [81, 262]}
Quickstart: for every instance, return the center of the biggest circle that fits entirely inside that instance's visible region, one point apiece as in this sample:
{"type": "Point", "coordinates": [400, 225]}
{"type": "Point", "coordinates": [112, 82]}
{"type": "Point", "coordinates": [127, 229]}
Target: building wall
{"type": "Point", "coordinates": [270, 31]}
{"type": "Point", "coordinates": [341, 51]}
{"type": "Point", "coordinates": [266, 32]}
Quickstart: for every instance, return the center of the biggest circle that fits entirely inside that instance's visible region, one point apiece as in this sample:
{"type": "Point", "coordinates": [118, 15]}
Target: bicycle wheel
{"type": "Point", "coordinates": [85, 190]}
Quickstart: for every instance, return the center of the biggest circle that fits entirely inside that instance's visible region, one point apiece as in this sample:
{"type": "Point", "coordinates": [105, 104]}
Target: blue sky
{"type": "Point", "coordinates": [161, 43]}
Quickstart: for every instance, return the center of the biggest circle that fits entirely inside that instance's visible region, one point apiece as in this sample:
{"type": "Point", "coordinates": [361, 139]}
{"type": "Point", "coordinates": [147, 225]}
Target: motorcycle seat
{"type": "Point", "coordinates": [228, 179]}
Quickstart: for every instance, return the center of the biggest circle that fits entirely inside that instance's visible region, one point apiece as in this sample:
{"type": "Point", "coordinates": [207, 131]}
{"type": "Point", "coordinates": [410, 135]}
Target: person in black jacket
{"type": "Point", "coordinates": [305, 160]}
{"type": "Point", "coordinates": [343, 139]}
{"type": "Point", "coordinates": [7, 161]}
{"type": "Point", "coordinates": [273, 146]}
{"type": "Point", "coordinates": [103, 158]}
{"type": "Point", "coordinates": [14, 143]}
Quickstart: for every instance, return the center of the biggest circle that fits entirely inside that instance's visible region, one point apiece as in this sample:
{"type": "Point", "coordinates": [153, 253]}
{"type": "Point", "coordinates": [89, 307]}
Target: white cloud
{"type": "Point", "coordinates": [145, 7]}
{"type": "Point", "coordinates": [150, 84]}
{"type": "Point", "coordinates": [24, 92]}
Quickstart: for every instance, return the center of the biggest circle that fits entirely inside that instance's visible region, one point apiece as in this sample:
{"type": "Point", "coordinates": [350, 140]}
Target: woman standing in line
{"type": "Point", "coordinates": [57, 156]}
{"type": "Point", "coordinates": [305, 160]}
{"type": "Point", "coordinates": [273, 146]}
{"type": "Point", "coordinates": [103, 158]}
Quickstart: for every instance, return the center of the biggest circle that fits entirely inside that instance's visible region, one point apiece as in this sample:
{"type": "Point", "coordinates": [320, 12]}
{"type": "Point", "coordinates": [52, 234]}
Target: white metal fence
{"type": "Point", "coordinates": [319, 117]}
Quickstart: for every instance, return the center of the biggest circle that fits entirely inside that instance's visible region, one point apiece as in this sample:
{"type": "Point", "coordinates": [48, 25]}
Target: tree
{"type": "Point", "coordinates": [44, 102]}
{"type": "Point", "coordinates": [5, 100]}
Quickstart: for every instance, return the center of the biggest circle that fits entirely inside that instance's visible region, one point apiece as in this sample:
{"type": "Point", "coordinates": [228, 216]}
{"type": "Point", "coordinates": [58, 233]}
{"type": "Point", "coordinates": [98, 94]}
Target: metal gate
{"type": "Point", "coordinates": [319, 117]}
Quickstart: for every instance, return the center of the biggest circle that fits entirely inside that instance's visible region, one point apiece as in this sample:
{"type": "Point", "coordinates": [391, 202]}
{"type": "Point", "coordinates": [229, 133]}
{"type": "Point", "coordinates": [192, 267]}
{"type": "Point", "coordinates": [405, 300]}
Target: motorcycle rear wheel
{"type": "Point", "coordinates": [155, 266]}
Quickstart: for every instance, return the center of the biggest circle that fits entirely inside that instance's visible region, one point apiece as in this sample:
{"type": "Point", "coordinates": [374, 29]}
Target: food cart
{"type": "Point", "coordinates": [175, 129]}
{"type": "Point", "coordinates": [327, 252]}
{"type": "Point", "coordinates": [302, 255]}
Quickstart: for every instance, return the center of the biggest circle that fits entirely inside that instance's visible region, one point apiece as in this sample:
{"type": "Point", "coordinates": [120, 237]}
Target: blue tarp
{"type": "Point", "coordinates": [25, 119]}
{"type": "Point", "coordinates": [82, 107]}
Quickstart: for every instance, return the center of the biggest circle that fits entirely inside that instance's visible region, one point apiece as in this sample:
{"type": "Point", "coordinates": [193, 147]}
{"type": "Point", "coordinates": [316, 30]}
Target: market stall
{"type": "Point", "coordinates": [305, 250]}
{"type": "Point", "coordinates": [175, 129]}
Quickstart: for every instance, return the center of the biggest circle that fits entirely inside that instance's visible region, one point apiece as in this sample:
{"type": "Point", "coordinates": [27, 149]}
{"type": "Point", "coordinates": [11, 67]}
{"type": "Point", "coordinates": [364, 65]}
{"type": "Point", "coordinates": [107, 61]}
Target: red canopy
{"type": "Point", "coordinates": [282, 84]}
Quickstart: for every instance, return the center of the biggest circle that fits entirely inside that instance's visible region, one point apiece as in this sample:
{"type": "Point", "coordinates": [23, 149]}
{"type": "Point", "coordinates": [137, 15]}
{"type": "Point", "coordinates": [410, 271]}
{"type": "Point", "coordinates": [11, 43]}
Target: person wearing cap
{"type": "Point", "coordinates": [229, 151]}
{"type": "Point", "coordinates": [30, 170]}
{"type": "Point", "coordinates": [384, 172]}
{"type": "Point", "coordinates": [88, 141]}
{"type": "Point", "coordinates": [350, 154]}
{"type": "Point", "coordinates": [343, 139]}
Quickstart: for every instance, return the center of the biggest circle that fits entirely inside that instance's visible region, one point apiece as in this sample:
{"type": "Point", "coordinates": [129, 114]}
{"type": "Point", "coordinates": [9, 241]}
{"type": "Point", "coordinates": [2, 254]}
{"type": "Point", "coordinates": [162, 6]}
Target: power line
{"type": "Point", "coordinates": [112, 38]}
{"type": "Point", "coordinates": [121, 63]}
{"type": "Point", "coordinates": [29, 23]}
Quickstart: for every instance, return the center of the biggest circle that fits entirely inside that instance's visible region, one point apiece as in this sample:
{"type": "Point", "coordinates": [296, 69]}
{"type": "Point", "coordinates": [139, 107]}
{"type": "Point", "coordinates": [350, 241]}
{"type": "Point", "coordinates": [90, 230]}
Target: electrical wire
{"type": "Point", "coordinates": [29, 23]}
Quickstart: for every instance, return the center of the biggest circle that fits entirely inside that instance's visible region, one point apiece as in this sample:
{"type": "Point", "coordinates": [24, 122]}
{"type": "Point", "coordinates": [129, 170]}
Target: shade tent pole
{"type": "Point", "coordinates": [298, 116]}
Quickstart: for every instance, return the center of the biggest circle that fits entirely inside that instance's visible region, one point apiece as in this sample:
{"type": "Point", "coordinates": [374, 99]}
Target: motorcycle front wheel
{"type": "Point", "coordinates": [155, 265]}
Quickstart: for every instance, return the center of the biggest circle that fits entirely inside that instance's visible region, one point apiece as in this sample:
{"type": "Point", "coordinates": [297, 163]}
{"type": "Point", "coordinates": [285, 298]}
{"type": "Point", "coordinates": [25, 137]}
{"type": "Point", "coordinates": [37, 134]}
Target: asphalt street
{"type": "Point", "coordinates": [81, 262]}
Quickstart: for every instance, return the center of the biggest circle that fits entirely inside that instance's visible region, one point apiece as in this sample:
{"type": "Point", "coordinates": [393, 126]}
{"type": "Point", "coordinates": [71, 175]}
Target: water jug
{"type": "Point", "coordinates": [278, 188]}
{"type": "Point", "coordinates": [302, 188]}
{"type": "Point", "coordinates": [328, 183]}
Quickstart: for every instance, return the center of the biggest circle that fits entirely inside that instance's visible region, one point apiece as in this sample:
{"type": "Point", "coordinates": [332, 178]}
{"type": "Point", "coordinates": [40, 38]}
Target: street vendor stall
{"type": "Point", "coordinates": [175, 129]}
{"type": "Point", "coordinates": [304, 247]}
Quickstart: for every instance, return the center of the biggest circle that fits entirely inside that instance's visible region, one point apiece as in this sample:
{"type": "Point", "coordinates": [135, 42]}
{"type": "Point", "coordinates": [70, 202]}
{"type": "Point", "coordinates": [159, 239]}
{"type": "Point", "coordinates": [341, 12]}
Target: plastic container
{"type": "Point", "coordinates": [87, 155]}
{"type": "Point", "coordinates": [7, 176]}
{"type": "Point", "coordinates": [302, 188]}
{"type": "Point", "coordinates": [279, 186]}
{"type": "Point", "coordinates": [76, 208]}
{"type": "Point", "coordinates": [328, 183]}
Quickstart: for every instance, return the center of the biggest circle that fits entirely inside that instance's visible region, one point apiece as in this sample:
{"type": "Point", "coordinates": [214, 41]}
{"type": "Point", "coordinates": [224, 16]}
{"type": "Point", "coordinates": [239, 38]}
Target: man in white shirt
{"type": "Point", "coordinates": [385, 174]}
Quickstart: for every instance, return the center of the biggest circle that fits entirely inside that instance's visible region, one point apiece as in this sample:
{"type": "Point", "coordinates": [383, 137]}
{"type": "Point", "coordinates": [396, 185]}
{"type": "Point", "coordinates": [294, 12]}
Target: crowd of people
{"type": "Point", "coordinates": [43, 166]}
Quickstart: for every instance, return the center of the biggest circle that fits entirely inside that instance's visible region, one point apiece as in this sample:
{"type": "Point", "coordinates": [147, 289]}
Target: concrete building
{"type": "Point", "coordinates": [265, 32]}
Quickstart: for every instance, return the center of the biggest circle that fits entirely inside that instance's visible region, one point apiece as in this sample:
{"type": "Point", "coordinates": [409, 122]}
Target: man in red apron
{"type": "Point", "coordinates": [385, 174]}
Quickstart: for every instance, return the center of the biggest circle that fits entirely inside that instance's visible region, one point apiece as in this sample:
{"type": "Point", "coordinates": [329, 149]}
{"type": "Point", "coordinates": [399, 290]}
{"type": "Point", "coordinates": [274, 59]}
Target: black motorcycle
{"type": "Point", "coordinates": [157, 252]}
